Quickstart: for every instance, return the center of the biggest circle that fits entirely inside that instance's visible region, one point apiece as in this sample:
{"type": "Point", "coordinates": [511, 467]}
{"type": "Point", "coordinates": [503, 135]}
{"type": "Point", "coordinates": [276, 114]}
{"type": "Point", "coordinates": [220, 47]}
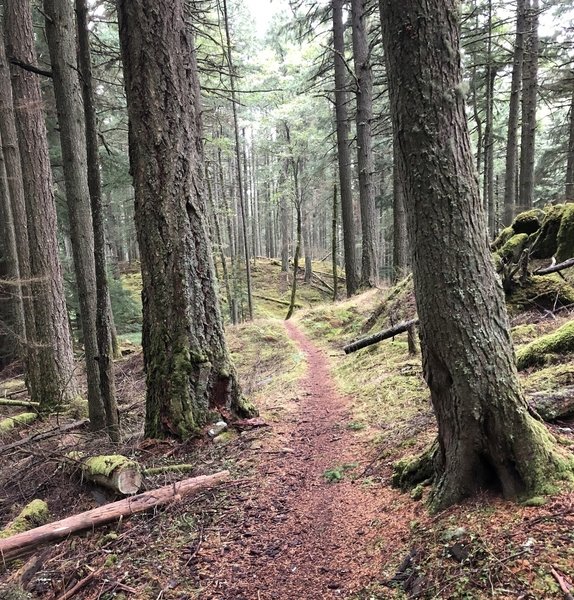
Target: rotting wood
{"type": "Point", "coordinates": [379, 337]}
{"type": "Point", "coordinates": [21, 544]}
{"type": "Point", "coordinates": [22, 403]}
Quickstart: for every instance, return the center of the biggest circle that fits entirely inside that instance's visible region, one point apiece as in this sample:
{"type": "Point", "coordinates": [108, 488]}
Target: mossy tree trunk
{"type": "Point", "coordinates": [486, 436]}
{"type": "Point", "coordinates": [187, 364]}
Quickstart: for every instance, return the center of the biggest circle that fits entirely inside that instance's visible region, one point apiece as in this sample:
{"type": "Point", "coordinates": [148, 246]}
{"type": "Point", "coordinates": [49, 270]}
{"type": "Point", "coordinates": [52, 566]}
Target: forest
{"type": "Point", "coordinates": [286, 299]}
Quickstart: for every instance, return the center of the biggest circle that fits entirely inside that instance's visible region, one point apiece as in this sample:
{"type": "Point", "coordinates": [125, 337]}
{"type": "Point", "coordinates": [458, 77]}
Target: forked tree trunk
{"type": "Point", "coordinates": [486, 436]}
{"type": "Point", "coordinates": [55, 384]}
{"type": "Point", "coordinates": [60, 32]}
{"type": "Point", "coordinates": [187, 363]}
{"type": "Point", "coordinates": [513, 117]}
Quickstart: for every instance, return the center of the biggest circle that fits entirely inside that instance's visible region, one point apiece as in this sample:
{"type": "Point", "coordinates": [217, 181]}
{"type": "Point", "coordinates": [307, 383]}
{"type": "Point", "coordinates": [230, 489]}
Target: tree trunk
{"type": "Point", "coordinates": [55, 382]}
{"type": "Point", "coordinates": [569, 192]}
{"type": "Point", "coordinates": [529, 101]}
{"type": "Point", "coordinates": [513, 117]}
{"type": "Point", "coordinates": [486, 436]}
{"type": "Point", "coordinates": [60, 31]}
{"type": "Point", "coordinates": [364, 85]}
{"type": "Point", "coordinates": [188, 369]}
{"type": "Point", "coordinates": [343, 152]}
{"type": "Point", "coordinates": [104, 317]}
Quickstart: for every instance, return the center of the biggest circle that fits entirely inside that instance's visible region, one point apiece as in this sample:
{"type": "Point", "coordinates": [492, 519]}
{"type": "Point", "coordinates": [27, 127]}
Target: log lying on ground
{"type": "Point", "coordinates": [115, 472]}
{"type": "Point", "coordinates": [7, 425]}
{"type": "Point", "coordinates": [379, 337]}
{"type": "Point", "coordinates": [552, 406]}
{"type": "Point", "coordinates": [33, 514]}
{"type": "Point", "coordinates": [23, 543]}
{"type": "Point", "coordinates": [24, 403]}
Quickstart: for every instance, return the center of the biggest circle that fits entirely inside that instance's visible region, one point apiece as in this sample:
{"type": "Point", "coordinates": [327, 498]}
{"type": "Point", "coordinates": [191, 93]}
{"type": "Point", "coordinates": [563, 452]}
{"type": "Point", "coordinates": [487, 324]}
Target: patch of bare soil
{"type": "Point", "coordinates": [306, 531]}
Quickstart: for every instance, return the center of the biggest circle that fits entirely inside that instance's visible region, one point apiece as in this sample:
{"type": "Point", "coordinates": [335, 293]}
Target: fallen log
{"type": "Point", "coordinates": [24, 403]}
{"type": "Point", "coordinates": [555, 268]}
{"type": "Point", "coordinates": [23, 543]}
{"type": "Point", "coordinates": [552, 406]}
{"type": "Point", "coordinates": [115, 472]}
{"type": "Point", "coordinates": [379, 337]}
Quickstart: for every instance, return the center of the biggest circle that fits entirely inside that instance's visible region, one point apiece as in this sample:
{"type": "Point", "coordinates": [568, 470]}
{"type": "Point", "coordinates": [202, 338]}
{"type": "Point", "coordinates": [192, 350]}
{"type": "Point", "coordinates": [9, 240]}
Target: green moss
{"type": "Point", "coordinates": [34, 514]}
{"type": "Point", "coordinates": [523, 333]}
{"type": "Point", "coordinates": [529, 221]}
{"type": "Point", "coordinates": [561, 341]}
{"type": "Point", "coordinates": [547, 240]}
{"type": "Point", "coordinates": [513, 248]}
{"type": "Point", "coordinates": [540, 291]}
{"type": "Point", "coordinates": [502, 238]}
{"type": "Point", "coordinates": [565, 240]}
{"type": "Point", "coordinates": [10, 423]}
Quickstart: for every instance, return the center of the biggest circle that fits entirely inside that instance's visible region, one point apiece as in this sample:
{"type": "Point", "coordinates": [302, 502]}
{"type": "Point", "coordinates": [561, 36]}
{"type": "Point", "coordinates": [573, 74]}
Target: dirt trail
{"type": "Point", "coordinates": [298, 536]}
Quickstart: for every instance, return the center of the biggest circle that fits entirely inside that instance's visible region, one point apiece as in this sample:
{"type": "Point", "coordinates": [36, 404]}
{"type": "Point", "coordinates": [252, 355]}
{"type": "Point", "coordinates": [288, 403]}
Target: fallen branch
{"type": "Point", "coordinates": [379, 337]}
{"type": "Point", "coordinates": [37, 437]}
{"type": "Point", "coordinates": [564, 585]}
{"type": "Point", "coordinates": [19, 545]}
{"type": "Point", "coordinates": [25, 403]}
{"type": "Point", "coordinates": [555, 268]}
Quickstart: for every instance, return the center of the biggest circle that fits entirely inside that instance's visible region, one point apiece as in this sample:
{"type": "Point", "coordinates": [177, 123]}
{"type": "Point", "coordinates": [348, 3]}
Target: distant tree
{"type": "Point", "coordinates": [486, 435]}
{"type": "Point", "coordinates": [188, 369]}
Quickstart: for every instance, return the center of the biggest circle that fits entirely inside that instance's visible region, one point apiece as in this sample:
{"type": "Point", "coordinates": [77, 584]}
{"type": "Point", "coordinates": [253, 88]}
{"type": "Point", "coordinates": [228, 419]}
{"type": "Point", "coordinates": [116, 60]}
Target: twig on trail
{"type": "Point", "coordinates": [564, 585]}
{"type": "Point", "coordinates": [82, 583]}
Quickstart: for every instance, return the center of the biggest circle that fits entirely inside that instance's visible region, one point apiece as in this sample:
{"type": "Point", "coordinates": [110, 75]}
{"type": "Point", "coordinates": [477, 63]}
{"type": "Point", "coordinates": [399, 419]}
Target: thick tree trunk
{"type": "Point", "coordinates": [529, 102]}
{"type": "Point", "coordinates": [60, 31]}
{"type": "Point", "coordinates": [188, 368]}
{"type": "Point", "coordinates": [513, 117]}
{"type": "Point", "coordinates": [569, 191]}
{"type": "Point", "coordinates": [55, 383]}
{"type": "Point", "coordinates": [343, 151]}
{"type": "Point", "coordinates": [364, 93]}
{"type": "Point", "coordinates": [104, 317]}
{"type": "Point", "coordinates": [486, 436]}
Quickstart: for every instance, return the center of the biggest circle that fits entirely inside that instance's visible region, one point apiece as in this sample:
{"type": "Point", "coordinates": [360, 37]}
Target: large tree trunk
{"type": "Point", "coordinates": [364, 93]}
{"type": "Point", "coordinates": [569, 191]}
{"type": "Point", "coordinates": [513, 116]}
{"type": "Point", "coordinates": [343, 151]}
{"type": "Point", "coordinates": [55, 383]}
{"type": "Point", "coordinates": [60, 31]}
{"type": "Point", "coordinates": [529, 102]}
{"type": "Point", "coordinates": [486, 436]}
{"type": "Point", "coordinates": [187, 364]}
{"type": "Point", "coordinates": [104, 317]}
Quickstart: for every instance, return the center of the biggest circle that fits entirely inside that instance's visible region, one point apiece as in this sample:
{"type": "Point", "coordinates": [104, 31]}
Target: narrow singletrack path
{"type": "Point", "coordinates": [299, 536]}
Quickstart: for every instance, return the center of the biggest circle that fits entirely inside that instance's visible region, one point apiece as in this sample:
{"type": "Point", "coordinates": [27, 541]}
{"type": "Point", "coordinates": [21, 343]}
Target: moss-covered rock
{"type": "Point", "coordinates": [546, 243]}
{"type": "Point", "coordinates": [502, 238]}
{"type": "Point", "coordinates": [513, 248]}
{"type": "Point", "coordinates": [565, 240]}
{"type": "Point", "coordinates": [34, 514]}
{"type": "Point", "coordinates": [560, 341]}
{"type": "Point", "coordinates": [529, 221]}
{"type": "Point", "coordinates": [540, 291]}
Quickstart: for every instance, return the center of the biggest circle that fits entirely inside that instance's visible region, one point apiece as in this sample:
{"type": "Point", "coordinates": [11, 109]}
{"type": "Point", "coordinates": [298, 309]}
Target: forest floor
{"type": "Point", "coordinates": [310, 512]}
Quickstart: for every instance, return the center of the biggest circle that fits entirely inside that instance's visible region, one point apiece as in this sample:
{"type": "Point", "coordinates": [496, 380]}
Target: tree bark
{"type": "Point", "coordinates": [55, 382]}
{"type": "Point", "coordinates": [60, 32]}
{"type": "Point", "coordinates": [188, 369]}
{"type": "Point", "coordinates": [513, 117]}
{"type": "Point", "coordinates": [529, 102]}
{"type": "Point", "coordinates": [104, 317]}
{"type": "Point", "coordinates": [486, 436]}
{"type": "Point", "coordinates": [364, 117]}
{"type": "Point", "coordinates": [569, 191]}
{"type": "Point", "coordinates": [343, 151]}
